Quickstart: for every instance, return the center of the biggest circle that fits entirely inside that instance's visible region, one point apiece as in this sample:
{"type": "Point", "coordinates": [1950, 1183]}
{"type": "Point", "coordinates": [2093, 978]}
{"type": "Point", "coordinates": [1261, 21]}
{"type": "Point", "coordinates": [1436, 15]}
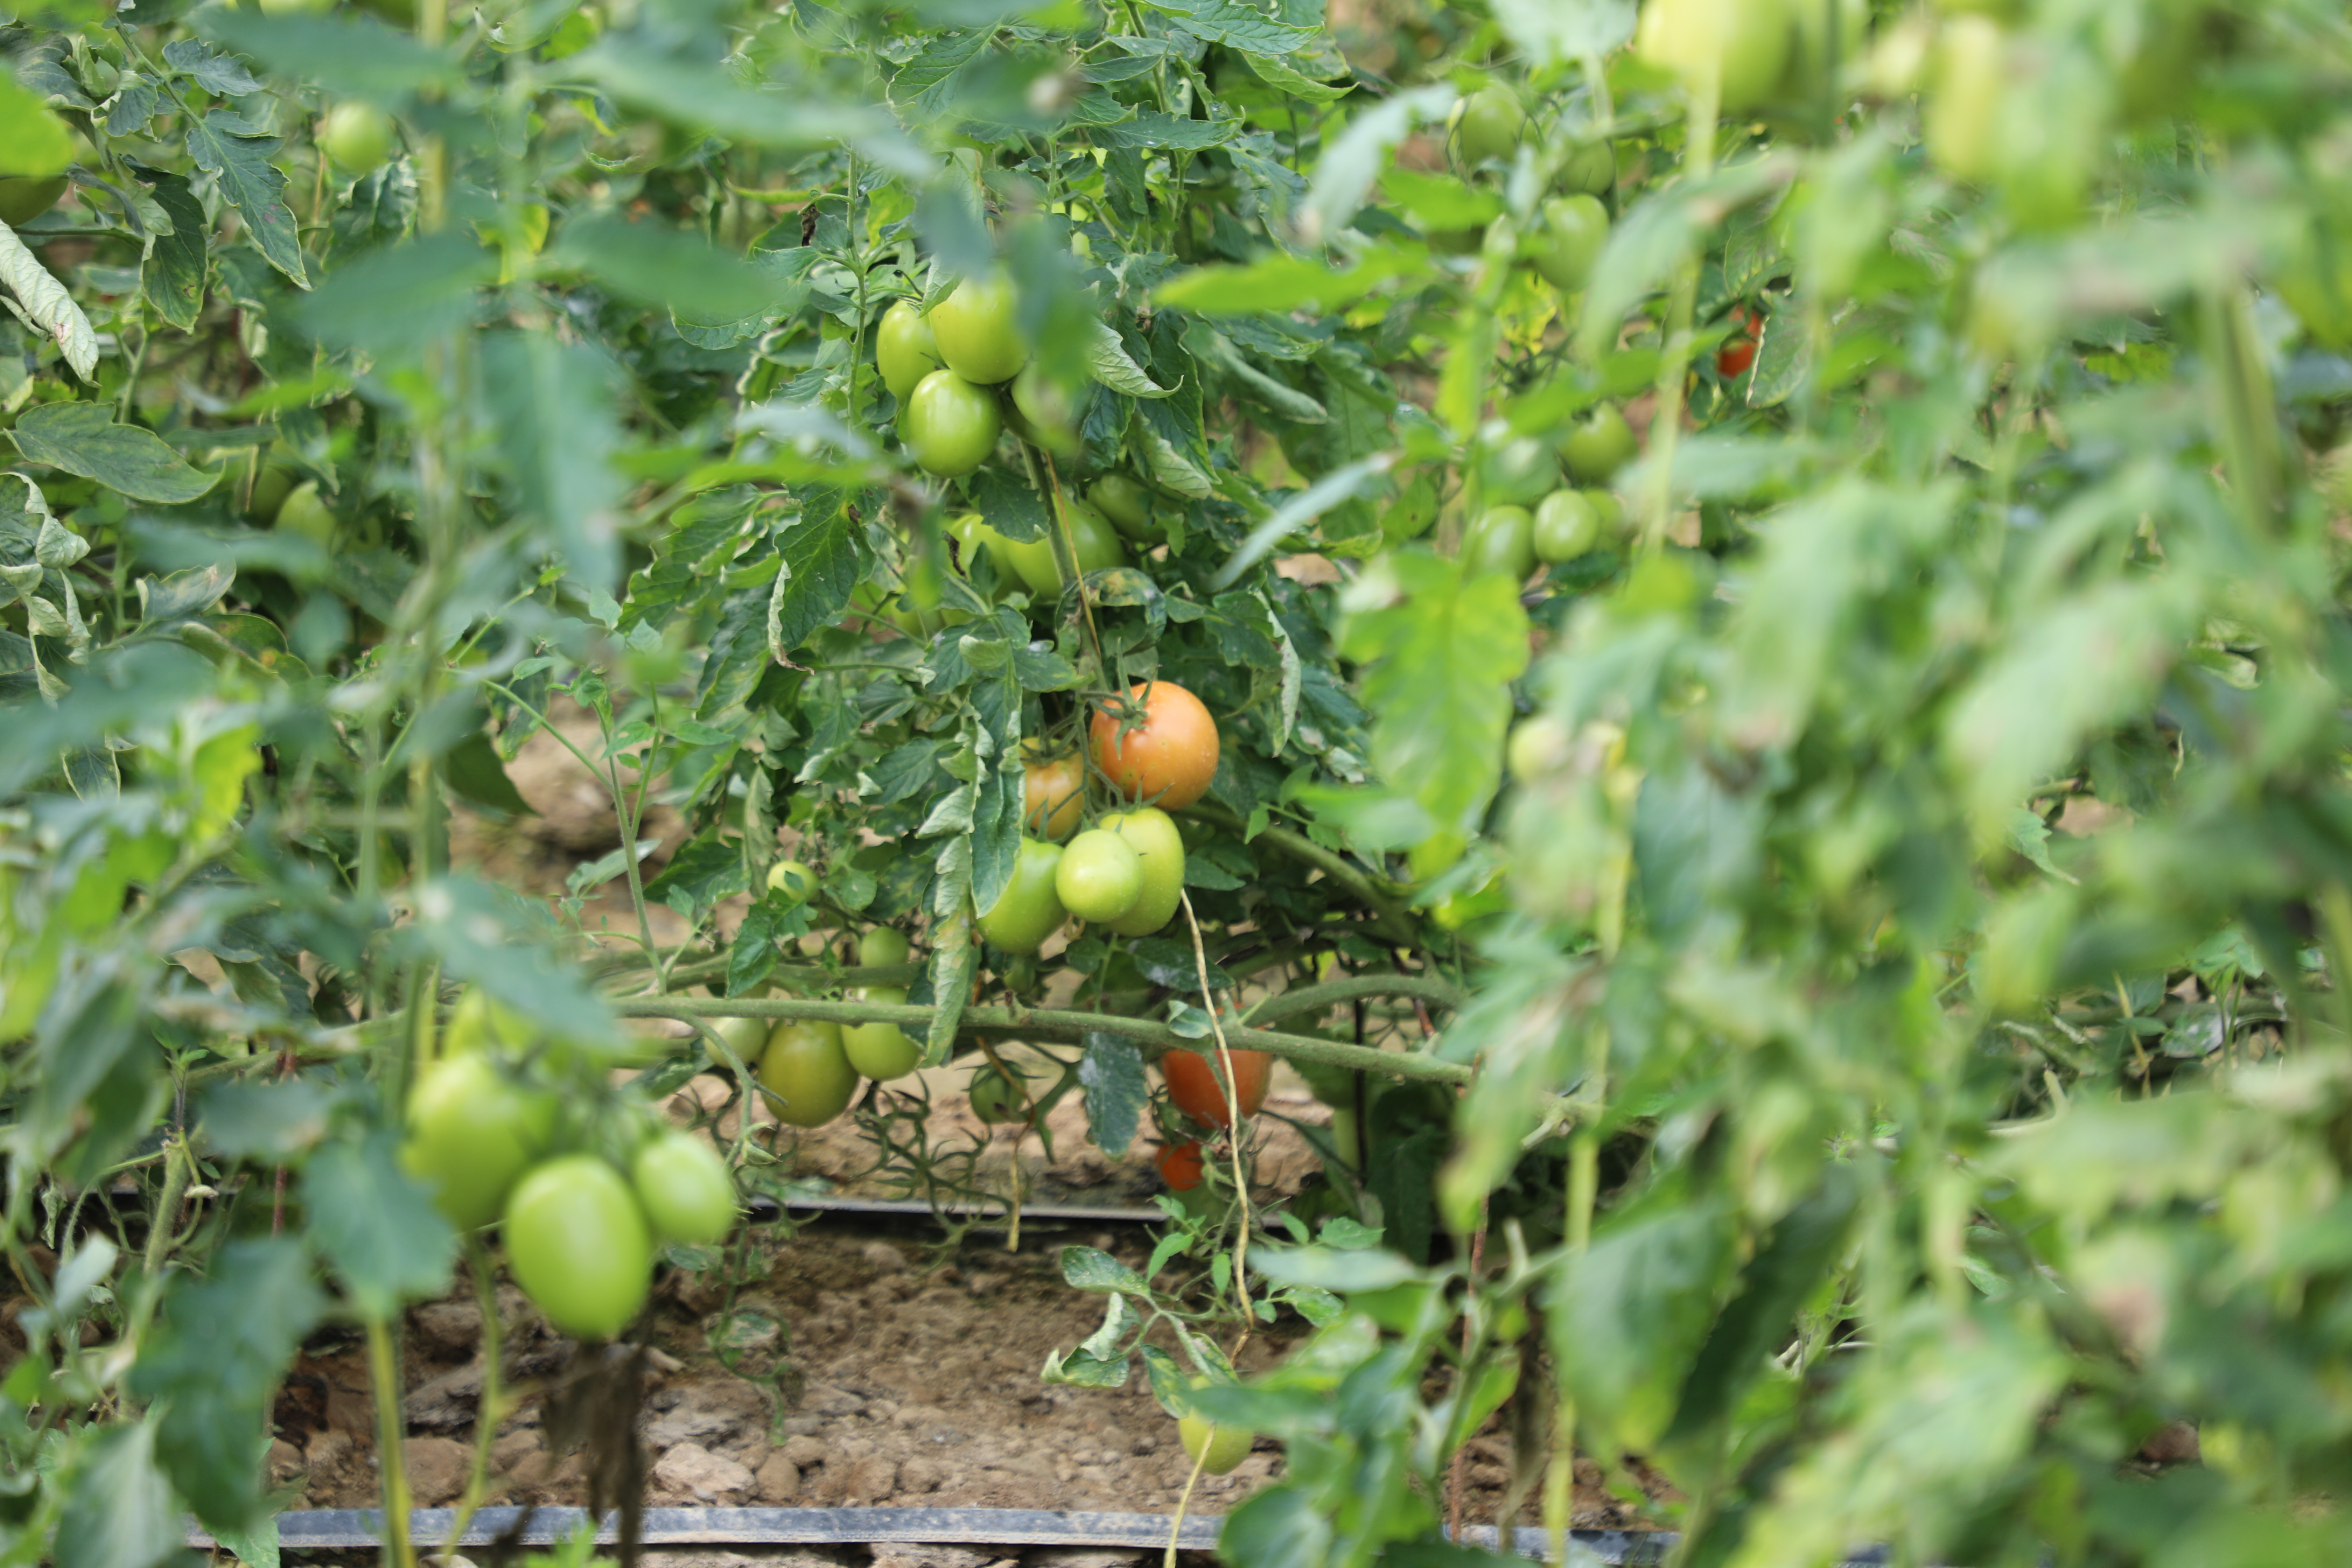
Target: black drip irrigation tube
{"type": "Point", "coordinates": [357, 1529]}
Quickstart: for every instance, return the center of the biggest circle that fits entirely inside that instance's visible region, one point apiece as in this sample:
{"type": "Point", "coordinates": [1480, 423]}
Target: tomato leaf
{"type": "Point", "coordinates": [376, 1226]}
{"type": "Point", "coordinates": [1112, 1073]}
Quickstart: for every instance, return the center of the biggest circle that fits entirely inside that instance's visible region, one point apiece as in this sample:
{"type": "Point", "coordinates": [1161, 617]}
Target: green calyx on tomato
{"type": "Point", "coordinates": [1564, 249]}
{"type": "Point", "coordinates": [472, 1132]}
{"type": "Point", "coordinates": [685, 1189]}
{"type": "Point", "coordinates": [1598, 445]}
{"type": "Point", "coordinates": [1218, 1450]}
{"type": "Point", "coordinates": [1029, 910]}
{"type": "Point", "coordinates": [1567, 525]}
{"type": "Point", "coordinates": [949, 424]}
{"type": "Point", "coordinates": [358, 137]}
{"type": "Point", "coordinates": [1100, 877]}
{"type": "Point", "coordinates": [978, 331]}
{"type": "Point", "coordinates": [1488, 125]}
{"type": "Point", "coordinates": [904, 349]}
{"type": "Point", "coordinates": [881, 1052]}
{"type": "Point", "coordinates": [1159, 852]}
{"type": "Point", "coordinates": [1053, 793]}
{"type": "Point", "coordinates": [1128, 505]}
{"type": "Point", "coordinates": [806, 1073]}
{"type": "Point", "coordinates": [579, 1246]}
{"type": "Point", "coordinates": [1169, 757]}
{"type": "Point", "coordinates": [1501, 541]}
{"type": "Point", "coordinates": [1196, 1087]}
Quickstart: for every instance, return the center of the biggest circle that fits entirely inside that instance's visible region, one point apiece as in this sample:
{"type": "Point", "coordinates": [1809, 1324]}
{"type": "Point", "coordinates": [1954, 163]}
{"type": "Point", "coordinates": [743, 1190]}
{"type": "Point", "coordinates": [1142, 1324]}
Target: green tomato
{"type": "Point", "coordinates": [1151, 834]}
{"type": "Point", "coordinates": [1538, 747]}
{"type": "Point", "coordinates": [1742, 46]}
{"type": "Point", "coordinates": [685, 1189]}
{"type": "Point", "coordinates": [472, 1132]}
{"type": "Point", "coordinates": [478, 1024]}
{"type": "Point", "coordinates": [795, 882]}
{"type": "Point", "coordinates": [1518, 472]}
{"type": "Point", "coordinates": [1574, 230]}
{"type": "Point", "coordinates": [24, 197]}
{"type": "Point", "coordinates": [904, 349]}
{"type": "Point", "coordinates": [1100, 877]}
{"type": "Point", "coordinates": [272, 483]}
{"type": "Point", "coordinates": [1964, 114]}
{"type": "Point", "coordinates": [1216, 1449]}
{"type": "Point", "coordinates": [1589, 171]}
{"type": "Point", "coordinates": [1128, 505]}
{"type": "Point", "coordinates": [1566, 526]}
{"type": "Point", "coordinates": [747, 1038]}
{"type": "Point", "coordinates": [1488, 125]}
{"type": "Point", "coordinates": [1049, 410]}
{"type": "Point", "coordinates": [304, 513]}
{"type": "Point", "coordinates": [1501, 541]}
{"type": "Point", "coordinates": [883, 945]}
{"type": "Point", "coordinates": [293, 7]}
{"type": "Point", "coordinates": [579, 1246]}
{"type": "Point", "coordinates": [1030, 910]}
{"type": "Point", "coordinates": [949, 424]}
{"type": "Point", "coordinates": [977, 329]}
{"type": "Point", "coordinates": [357, 136]}
{"type": "Point", "coordinates": [881, 1052]}
{"type": "Point", "coordinates": [806, 1073]}
{"type": "Point", "coordinates": [1093, 541]}
{"type": "Point", "coordinates": [997, 1099]}
{"type": "Point", "coordinates": [1598, 445]}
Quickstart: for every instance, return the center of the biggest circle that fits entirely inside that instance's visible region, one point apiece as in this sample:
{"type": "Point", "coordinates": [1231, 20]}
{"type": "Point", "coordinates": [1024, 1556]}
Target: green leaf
{"type": "Point", "coordinates": [1107, 360]}
{"type": "Point", "coordinates": [376, 1226]}
{"type": "Point", "coordinates": [274, 1121]}
{"type": "Point", "coordinates": [1112, 1073]}
{"type": "Point", "coordinates": [477, 776]}
{"type": "Point", "coordinates": [1627, 1315]}
{"type": "Point", "coordinates": [1659, 235]}
{"type": "Point", "coordinates": [1282, 283]}
{"type": "Point", "coordinates": [752, 952]}
{"type": "Point", "coordinates": [228, 147]}
{"type": "Point", "coordinates": [687, 92]}
{"type": "Point", "coordinates": [397, 298]}
{"type": "Point", "coordinates": [214, 73]}
{"type": "Point", "coordinates": [825, 554]}
{"type": "Point", "coordinates": [655, 264]}
{"type": "Point", "coordinates": [1342, 1271]}
{"type": "Point", "coordinates": [558, 433]}
{"type": "Point", "coordinates": [1354, 159]}
{"type": "Point", "coordinates": [1091, 1268]}
{"type": "Point", "coordinates": [1151, 131]}
{"type": "Point", "coordinates": [1236, 24]}
{"type": "Point", "coordinates": [927, 84]}
{"type": "Point", "coordinates": [346, 50]}
{"type": "Point", "coordinates": [173, 276]}
{"type": "Point", "coordinates": [223, 1342]}
{"type": "Point", "coordinates": [120, 1512]}
{"type": "Point", "coordinates": [83, 438]}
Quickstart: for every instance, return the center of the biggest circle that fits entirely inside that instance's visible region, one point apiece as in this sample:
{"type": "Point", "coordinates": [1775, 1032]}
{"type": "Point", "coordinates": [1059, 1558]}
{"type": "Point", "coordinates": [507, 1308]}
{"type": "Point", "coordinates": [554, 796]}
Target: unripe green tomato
{"type": "Point", "coordinates": [1566, 526]}
{"type": "Point", "coordinates": [685, 1189]}
{"type": "Point", "coordinates": [978, 331]}
{"type": "Point", "coordinates": [1030, 910]}
{"type": "Point", "coordinates": [1598, 445]}
{"type": "Point", "coordinates": [357, 136]}
{"type": "Point", "coordinates": [1224, 1448]}
{"type": "Point", "coordinates": [795, 882]}
{"type": "Point", "coordinates": [578, 1244]}
{"type": "Point", "coordinates": [806, 1073]}
{"type": "Point", "coordinates": [1051, 411]}
{"type": "Point", "coordinates": [949, 424]}
{"type": "Point", "coordinates": [472, 1132]}
{"type": "Point", "coordinates": [747, 1038]}
{"type": "Point", "coordinates": [293, 7]}
{"type": "Point", "coordinates": [24, 197]}
{"type": "Point", "coordinates": [272, 483]}
{"type": "Point", "coordinates": [883, 945]}
{"type": "Point", "coordinates": [1100, 877]}
{"type": "Point", "coordinates": [997, 1099]}
{"type": "Point", "coordinates": [1519, 472]}
{"type": "Point", "coordinates": [1741, 45]}
{"type": "Point", "coordinates": [1538, 747]}
{"type": "Point", "coordinates": [304, 513]}
{"type": "Point", "coordinates": [1488, 124]}
{"type": "Point", "coordinates": [1501, 541]}
{"type": "Point", "coordinates": [881, 1052]}
{"type": "Point", "coordinates": [1589, 171]}
{"type": "Point", "coordinates": [904, 349]}
{"type": "Point", "coordinates": [1574, 230]}
{"type": "Point", "coordinates": [1093, 541]}
{"type": "Point", "coordinates": [1964, 114]}
{"type": "Point", "coordinates": [1128, 505]}
{"type": "Point", "coordinates": [1810, 56]}
{"type": "Point", "coordinates": [1159, 849]}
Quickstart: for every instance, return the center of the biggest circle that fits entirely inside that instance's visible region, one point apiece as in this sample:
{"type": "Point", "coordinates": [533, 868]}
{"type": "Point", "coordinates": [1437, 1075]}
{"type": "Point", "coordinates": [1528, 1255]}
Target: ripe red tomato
{"type": "Point", "coordinates": [1738, 351]}
{"type": "Point", "coordinates": [579, 1246]}
{"type": "Point", "coordinates": [1169, 758]}
{"type": "Point", "coordinates": [1180, 1167]}
{"type": "Point", "coordinates": [1193, 1084]}
{"type": "Point", "coordinates": [951, 425]}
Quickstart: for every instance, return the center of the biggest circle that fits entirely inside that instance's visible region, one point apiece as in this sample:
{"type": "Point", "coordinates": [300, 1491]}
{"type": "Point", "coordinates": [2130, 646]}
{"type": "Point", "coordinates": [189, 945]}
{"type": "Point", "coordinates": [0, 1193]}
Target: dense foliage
{"type": "Point", "coordinates": [1874, 473]}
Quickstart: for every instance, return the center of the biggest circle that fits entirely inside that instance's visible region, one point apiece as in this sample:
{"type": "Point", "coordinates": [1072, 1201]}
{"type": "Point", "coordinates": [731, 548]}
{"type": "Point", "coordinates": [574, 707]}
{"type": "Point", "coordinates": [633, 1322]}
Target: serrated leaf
{"type": "Point", "coordinates": [346, 50]}
{"type": "Point", "coordinates": [557, 432]}
{"type": "Point", "coordinates": [1153, 132]}
{"type": "Point", "coordinates": [395, 299]}
{"type": "Point", "coordinates": [1110, 363]}
{"type": "Point", "coordinates": [376, 1226]}
{"type": "Point", "coordinates": [1237, 24]}
{"type": "Point", "coordinates": [1112, 1073]}
{"type": "Point", "coordinates": [214, 73]}
{"type": "Point", "coordinates": [1091, 1268]}
{"type": "Point", "coordinates": [45, 306]}
{"type": "Point", "coordinates": [120, 1512]}
{"type": "Point", "coordinates": [824, 551]}
{"type": "Point", "coordinates": [173, 275]}
{"type": "Point", "coordinates": [224, 146]}
{"type": "Point", "coordinates": [1354, 159]}
{"type": "Point", "coordinates": [477, 776]}
{"type": "Point", "coordinates": [83, 438]}
{"type": "Point", "coordinates": [927, 84]}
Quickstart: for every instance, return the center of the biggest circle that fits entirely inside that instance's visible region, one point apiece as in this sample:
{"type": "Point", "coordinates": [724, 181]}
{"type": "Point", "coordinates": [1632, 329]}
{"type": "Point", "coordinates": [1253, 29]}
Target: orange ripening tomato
{"type": "Point", "coordinates": [1193, 1084]}
{"type": "Point", "coordinates": [1738, 351]}
{"type": "Point", "coordinates": [1180, 1167]}
{"type": "Point", "coordinates": [1169, 758]}
{"type": "Point", "coordinates": [1052, 793]}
